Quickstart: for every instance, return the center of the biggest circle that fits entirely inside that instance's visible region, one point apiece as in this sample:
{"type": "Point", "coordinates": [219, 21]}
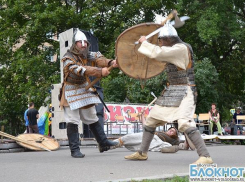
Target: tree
{"type": "Point", "coordinates": [26, 44]}
{"type": "Point", "coordinates": [216, 32]}
{"type": "Point", "coordinates": [26, 69]}
{"type": "Point", "coordinates": [206, 78]}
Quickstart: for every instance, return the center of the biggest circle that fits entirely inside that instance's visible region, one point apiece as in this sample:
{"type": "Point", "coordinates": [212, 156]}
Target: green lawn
{"type": "Point", "coordinates": [175, 179]}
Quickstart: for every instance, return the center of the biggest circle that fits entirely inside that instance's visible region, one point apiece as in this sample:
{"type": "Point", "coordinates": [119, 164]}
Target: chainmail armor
{"type": "Point", "coordinates": [179, 81]}
{"type": "Point", "coordinates": [75, 83]}
{"type": "Point", "coordinates": [94, 55]}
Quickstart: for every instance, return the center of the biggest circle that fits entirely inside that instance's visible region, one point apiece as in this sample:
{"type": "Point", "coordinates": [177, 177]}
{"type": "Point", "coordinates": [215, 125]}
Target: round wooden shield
{"type": "Point", "coordinates": [130, 61]}
{"type": "Point", "coordinates": [37, 141]}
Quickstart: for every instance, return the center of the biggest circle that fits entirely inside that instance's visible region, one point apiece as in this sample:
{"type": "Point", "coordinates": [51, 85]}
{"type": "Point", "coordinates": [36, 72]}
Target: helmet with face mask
{"type": "Point", "coordinates": [80, 36]}
{"type": "Point", "coordinates": [167, 30]}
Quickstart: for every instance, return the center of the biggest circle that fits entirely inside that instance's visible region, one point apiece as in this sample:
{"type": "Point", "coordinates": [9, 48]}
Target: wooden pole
{"type": "Point", "coordinates": [22, 141]}
{"type": "Point", "coordinates": [141, 113]}
{"type": "Point", "coordinates": [96, 80]}
{"type": "Point", "coordinates": [169, 17]}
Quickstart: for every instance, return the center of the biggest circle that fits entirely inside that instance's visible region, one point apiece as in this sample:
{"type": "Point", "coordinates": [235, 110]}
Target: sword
{"type": "Point", "coordinates": [101, 100]}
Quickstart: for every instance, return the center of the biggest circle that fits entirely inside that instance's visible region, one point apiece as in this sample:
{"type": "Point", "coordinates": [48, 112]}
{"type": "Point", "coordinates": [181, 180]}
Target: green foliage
{"type": "Point", "coordinates": [206, 78]}
{"type": "Point", "coordinates": [226, 115]}
{"type": "Point", "coordinates": [26, 69]}
{"type": "Point", "coordinates": [216, 32]}
{"type": "Point", "coordinates": [115, 88]}
{"type": "Point", "coordinates": [134, 90]}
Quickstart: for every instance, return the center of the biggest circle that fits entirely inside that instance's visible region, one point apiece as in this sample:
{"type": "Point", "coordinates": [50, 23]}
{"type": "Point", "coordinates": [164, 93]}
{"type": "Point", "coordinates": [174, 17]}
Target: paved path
{"type": "Point", "coordinates": [59, 166]}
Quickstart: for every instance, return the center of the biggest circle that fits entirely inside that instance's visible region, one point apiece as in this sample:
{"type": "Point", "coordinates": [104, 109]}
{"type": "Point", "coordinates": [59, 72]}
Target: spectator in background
{"type": "Point", "coordinates": [32, 115]}
{"type": "Point", "coordinates": [26, 120]}
{"type": "Point", "coordinates": [237, 122]}
{"type": "Point", "coordinates": [232, 111]}
{"type": "Point", "coordinates": [214, 118]}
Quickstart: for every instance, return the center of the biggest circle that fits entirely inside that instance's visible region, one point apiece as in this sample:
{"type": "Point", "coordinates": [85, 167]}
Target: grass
{"type": "Point", "coordinates": [233, 142]}
{"type": "Point", "coordinates": [174, 179]}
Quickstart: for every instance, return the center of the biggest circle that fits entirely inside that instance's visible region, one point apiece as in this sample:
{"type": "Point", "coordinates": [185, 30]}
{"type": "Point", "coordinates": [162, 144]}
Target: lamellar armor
{"type": "Point", "coordinates": [76, 74]}
{"type": "Point", "coordinates": [179, 81]}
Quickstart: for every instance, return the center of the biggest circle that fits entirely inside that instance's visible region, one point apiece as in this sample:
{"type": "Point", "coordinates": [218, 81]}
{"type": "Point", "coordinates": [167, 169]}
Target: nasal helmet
{"type": "Point", "coordinates": [79, 36]}
{"type": "Point", "coordinates": [167, 30]}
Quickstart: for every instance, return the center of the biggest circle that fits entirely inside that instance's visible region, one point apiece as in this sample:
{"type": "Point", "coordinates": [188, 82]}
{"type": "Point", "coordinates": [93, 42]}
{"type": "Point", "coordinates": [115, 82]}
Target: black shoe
{"type": "Point", "coordinates": [77, 154]}
{"type": "Point", "coordinates": [99, 134]}
{"type": "Point", "coordinates": [103, 149]}
{"type": "Point", "coordinates": [73, 138]}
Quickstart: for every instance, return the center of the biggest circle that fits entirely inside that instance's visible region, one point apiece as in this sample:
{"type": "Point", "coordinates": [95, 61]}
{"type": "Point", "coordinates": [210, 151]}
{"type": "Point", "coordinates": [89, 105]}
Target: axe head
{"type": "Point", "coordinates": [179, 22]}
{"type": "Point", "coordinates": [153, 94]}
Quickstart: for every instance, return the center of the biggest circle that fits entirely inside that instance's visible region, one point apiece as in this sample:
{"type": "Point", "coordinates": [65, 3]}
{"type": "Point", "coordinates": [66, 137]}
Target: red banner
{"type": "Point", "coordinates": [123, 110]}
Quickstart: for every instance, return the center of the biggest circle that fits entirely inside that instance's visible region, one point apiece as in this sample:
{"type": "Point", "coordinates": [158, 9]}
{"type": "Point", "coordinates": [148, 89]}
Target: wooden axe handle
{"type": "Point", "coordinates": [169, 17]}
{"type": "Point", "coordinates": [96, 80]}
{"type": "Point", "coordinates": [141, 113]}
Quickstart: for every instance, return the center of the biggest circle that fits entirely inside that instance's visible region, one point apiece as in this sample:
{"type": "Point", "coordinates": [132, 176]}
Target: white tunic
{"type": "Point", "coordinates": [159, 115]}
{"type": "Point", "coordinates": [133, 142]}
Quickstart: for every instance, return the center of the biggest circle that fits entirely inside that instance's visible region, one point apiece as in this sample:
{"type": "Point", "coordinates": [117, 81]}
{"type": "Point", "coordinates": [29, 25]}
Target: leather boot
{"type": "Point", "coordinates": [195, 137]}
{"type": "Point", "coordinates": [99, 134]}
{"type": "Point", "coordinates": [137, 156]}
{"type": "Point", "coordinates": [148, 135]}
{"type": "Point", "coordinates": [73, 138]}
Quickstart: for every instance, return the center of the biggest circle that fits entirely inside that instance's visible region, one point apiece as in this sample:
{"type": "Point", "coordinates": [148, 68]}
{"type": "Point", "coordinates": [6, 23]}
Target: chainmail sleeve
{"type": "Point", "coordinates": [73, 68]}
{"type": "Point", "coordinates": [99, 59]}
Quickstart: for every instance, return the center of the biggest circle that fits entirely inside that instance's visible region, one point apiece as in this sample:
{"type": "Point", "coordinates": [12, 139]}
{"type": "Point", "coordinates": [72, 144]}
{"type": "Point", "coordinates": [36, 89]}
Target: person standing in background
{"type": "Point", "coordinates": [32, 115]}
{"type": "Point", "coordinates": [237, 122]}
{"type": "Point", "coordinates": [26, 120]}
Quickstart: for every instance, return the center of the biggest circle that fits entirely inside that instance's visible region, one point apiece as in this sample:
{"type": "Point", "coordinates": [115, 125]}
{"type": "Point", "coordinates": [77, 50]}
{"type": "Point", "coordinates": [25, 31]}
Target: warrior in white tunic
{"type": "Point", "coordinates": [79, 103]}
{"type": "Point", "coordinates": [178, 99]}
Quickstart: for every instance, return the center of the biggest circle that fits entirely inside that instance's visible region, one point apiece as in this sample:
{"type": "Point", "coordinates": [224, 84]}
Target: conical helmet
{"type": "Point", "coordinates": [80, 36]}
{"type": "Point", "coordinates": [167, 30]}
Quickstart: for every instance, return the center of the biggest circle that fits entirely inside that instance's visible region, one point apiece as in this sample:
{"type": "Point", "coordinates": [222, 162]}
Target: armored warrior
{"type": "Point", "coordinates": [77, 102]}
{"type": "Point", "coordinates": [178, 100]}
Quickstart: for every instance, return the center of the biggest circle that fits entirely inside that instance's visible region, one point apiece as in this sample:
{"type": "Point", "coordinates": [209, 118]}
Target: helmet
{"type": "Point", "coordinates": [167, 30]}
{"type": "Point", "coordinates": [80, 36]}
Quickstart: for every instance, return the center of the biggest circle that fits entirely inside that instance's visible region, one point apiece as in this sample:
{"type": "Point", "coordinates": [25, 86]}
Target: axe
{"type": "Point", "coordinates": [155, 98]}
{"type": "Point", "coordinates": [177, 23]}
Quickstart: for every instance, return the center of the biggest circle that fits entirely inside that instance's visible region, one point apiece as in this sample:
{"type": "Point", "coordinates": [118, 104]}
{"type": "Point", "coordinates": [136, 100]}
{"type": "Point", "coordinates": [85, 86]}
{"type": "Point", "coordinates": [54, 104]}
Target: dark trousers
{"type": "Point", "coordinates": [33, 129]}
{"type": "Point", "coordinates": [27, 129]}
